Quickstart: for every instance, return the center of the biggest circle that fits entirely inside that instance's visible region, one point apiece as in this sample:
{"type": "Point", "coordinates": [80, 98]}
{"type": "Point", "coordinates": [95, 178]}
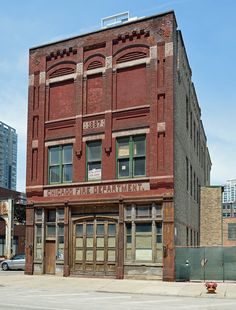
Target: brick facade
{"type": "Point", "coordinates": [211, 216]}
{"type": "Point", "coordinates": [115, 83]}
{"type": "Point", "coordinates": [227, 239]}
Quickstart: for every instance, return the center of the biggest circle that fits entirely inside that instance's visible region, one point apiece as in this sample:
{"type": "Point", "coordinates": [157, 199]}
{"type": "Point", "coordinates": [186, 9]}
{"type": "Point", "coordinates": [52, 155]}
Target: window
{"type": "Point", "coordinates": [197, 143]}
{"type": "Point", "coordinates": [143, 234]}
{"type": "Point", "coordinates": [187, 237]}
{"type": "Point", "coordinates": [38, 234]}
{"type": "Point", "coordinates": [60, 164]}
{"type": "Point", "coordinates": [38, 242]}
{"type": "Point", "coordinates": [51, 216]}
{"type": "Point", "coordinates": [191, 180]}
{"type": "Point", "coordinates": [144, 212]}
{"type": "Point", "coordinates": [38, 215]}
{"type": "Point", "coordinates": [59, 232]}
{"type": "Point", "coordinates": [60, 242]}
{"type": "Point", "coordinates": [60, 214]}
{"type": "Point", "coordinates": [51, 231]}
{"type": "Point", "coordinates": [131, 157]}
{"type": "Point", "coordinates": [198, 191]}
{"type": "Point", "coordinates": [191, 125]}
{"type": "Point", "coordinates": [2, 246]}
{"type": "Point", "coordinates": [143, 244]}
{"type": "Point", "coordinates": [94, 160]}
{"type": "Point", "coordinates": [232, 231]}
{"type": "Point", "coordinates": [187, 113]}
{"type": "Point", "coordinates": [187, 174]}
{"type": "Point", "coordinates": [50, 225]}
{"type": "Point", "coordinates": [191, 237]}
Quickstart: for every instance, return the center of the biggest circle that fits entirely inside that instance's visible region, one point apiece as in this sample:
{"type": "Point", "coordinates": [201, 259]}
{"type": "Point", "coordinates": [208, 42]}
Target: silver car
{"type": "Point", "coordinates": [16, 262]}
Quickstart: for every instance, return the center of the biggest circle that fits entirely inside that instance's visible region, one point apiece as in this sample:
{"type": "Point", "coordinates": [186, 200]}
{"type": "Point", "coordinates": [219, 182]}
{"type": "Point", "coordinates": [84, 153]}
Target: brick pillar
{"type": "Point", "coordinates": [152, 99]}
{"type": "Point", "coordinates": [41, 133]}
{"type": "Point", "coordinates": [168, 240]}
{"type": "Point", "coordinates": [29, 245]}
{"type": "Point", "coordinates": [66, 272]}
{"type": "Point", "coordinates": [120, 256]}
{"type": "Point", "coordinates": [79, 117]}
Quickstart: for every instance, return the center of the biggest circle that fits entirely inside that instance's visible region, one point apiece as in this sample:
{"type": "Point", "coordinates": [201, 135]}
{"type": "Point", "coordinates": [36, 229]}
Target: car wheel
{"type": "Point", "coordinates": [5, 267]}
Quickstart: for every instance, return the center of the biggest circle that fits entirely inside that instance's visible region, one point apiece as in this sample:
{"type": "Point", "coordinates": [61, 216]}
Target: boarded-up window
{"type": "Point", "coordinates": [62, 100]}
{"type": "Point", "coordinates": [131, 87]}
{"type": "Point", "coordinates": [94, 94]}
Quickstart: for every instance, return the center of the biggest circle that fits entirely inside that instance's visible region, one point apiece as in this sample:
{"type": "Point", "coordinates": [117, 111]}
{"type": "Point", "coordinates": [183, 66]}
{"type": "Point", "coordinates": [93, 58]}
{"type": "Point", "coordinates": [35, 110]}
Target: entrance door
{"type": "Point", "coordinates": [50, 257]}
{"type": "Point", "coordinates": [95, 248]}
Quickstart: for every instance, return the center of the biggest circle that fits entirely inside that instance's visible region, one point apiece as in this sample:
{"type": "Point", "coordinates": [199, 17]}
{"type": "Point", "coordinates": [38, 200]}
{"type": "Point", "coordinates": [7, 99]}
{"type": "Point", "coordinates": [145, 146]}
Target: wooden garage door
{"type": "Point", "coordinates": [95, 248]}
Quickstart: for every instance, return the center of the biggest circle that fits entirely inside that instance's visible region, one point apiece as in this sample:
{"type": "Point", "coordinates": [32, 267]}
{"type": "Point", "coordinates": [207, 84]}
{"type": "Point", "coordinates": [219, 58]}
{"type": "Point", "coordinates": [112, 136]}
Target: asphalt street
{"type": "Point", "coordinates": [41, 299]}
{"type": "Point", "coordinates": [20, 292]}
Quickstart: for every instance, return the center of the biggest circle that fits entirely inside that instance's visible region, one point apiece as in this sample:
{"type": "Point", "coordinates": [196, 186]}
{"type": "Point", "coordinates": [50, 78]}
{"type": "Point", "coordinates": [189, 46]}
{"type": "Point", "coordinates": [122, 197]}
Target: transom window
{"type": "Point", "coordinates": [94, 160]}
{"type": "Point", "coordinates": [60, 164]}
{"type": "Point", "coordinates": [131, 156]}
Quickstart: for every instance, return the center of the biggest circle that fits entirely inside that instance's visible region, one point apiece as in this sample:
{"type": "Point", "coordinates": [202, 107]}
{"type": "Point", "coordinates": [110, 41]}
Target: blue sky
{"type": "Point", "coordinates": [208, 28]}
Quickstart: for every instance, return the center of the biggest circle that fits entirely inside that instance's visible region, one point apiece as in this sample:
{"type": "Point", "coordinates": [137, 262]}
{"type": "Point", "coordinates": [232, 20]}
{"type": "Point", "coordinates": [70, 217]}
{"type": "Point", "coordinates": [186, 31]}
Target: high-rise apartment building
{"type": "Point", "coordinates": [229, 194]}
{"type": "Point", "coordinates": [116, 152]}
{"type": "Point", "coordinates": [8, 156]}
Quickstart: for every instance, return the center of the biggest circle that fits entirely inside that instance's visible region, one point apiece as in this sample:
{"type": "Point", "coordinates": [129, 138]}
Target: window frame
{"type": "Point", "coordinates": [61, 164]}
{"type": "Point", "coordinates": [59, 221]}
{"type": "Point", "coordinates": [93, 161]}
{"type": "Point", "coordinates": [38, 245]}
{"type": "Point", "coordinates": [131, 234]}
{"type": "Point", "coordinates": [131, 157]}
{"type": "Point", "coordinates": [232, 231]}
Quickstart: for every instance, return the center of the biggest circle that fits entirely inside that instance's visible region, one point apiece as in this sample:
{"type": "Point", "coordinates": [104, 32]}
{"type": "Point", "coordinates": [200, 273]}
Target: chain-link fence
{"type": "Point", "coordinates": [205, 263]}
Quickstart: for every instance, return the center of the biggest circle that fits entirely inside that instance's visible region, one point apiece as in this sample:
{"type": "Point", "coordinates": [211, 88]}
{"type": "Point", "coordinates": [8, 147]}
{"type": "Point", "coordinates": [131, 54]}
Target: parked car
{"type": "Point", "coordinates": [16, 262]}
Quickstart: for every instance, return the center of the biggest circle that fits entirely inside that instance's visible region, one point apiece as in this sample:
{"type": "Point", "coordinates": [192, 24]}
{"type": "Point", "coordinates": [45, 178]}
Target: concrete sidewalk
{"type": "Point", "coordinates": [78, 285]}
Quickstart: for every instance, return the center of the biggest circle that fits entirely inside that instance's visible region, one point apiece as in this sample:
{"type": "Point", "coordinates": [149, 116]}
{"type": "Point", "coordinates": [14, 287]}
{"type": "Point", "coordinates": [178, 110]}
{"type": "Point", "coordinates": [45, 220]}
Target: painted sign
{"type": "Point", "coordinates": [96, 189]}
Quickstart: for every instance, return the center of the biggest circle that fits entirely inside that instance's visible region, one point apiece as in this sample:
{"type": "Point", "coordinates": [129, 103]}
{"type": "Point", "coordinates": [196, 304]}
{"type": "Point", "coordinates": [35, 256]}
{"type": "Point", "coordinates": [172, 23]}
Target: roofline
{"type": "Point", "coordinates": [9, 127]}
{"type": "Point", "coordinates": [214, 186]}
{"type": "Point", "coordinates": [104, 29]}
{"type": "Point", "coordinates": [186, 54]}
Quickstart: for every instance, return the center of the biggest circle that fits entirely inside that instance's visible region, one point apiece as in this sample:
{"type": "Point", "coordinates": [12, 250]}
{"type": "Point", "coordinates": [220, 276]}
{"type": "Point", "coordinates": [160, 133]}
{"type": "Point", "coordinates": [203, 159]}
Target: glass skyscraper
{"type": "Point", "coordinates": [8, 156]}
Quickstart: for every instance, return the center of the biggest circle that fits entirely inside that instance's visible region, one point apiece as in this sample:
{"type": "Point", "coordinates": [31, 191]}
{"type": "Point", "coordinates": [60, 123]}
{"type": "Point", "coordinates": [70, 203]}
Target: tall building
{"type": "Point", "coordinates": [116, 152]}
{"type": "Point", "coordinates": [229, 191]}
{"type": "Point", "coordinates": [8, 156]}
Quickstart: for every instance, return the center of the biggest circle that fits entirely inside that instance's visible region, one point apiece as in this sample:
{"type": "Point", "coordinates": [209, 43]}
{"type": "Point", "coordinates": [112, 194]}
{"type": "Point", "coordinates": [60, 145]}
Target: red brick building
{"type": "Point", "coordinates": [116, 152]}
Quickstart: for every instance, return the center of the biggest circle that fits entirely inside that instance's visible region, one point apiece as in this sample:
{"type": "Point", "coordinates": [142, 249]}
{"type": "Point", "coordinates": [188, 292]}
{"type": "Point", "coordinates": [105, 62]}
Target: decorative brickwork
{"type": "Point", "coordinates": [111, 97]}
